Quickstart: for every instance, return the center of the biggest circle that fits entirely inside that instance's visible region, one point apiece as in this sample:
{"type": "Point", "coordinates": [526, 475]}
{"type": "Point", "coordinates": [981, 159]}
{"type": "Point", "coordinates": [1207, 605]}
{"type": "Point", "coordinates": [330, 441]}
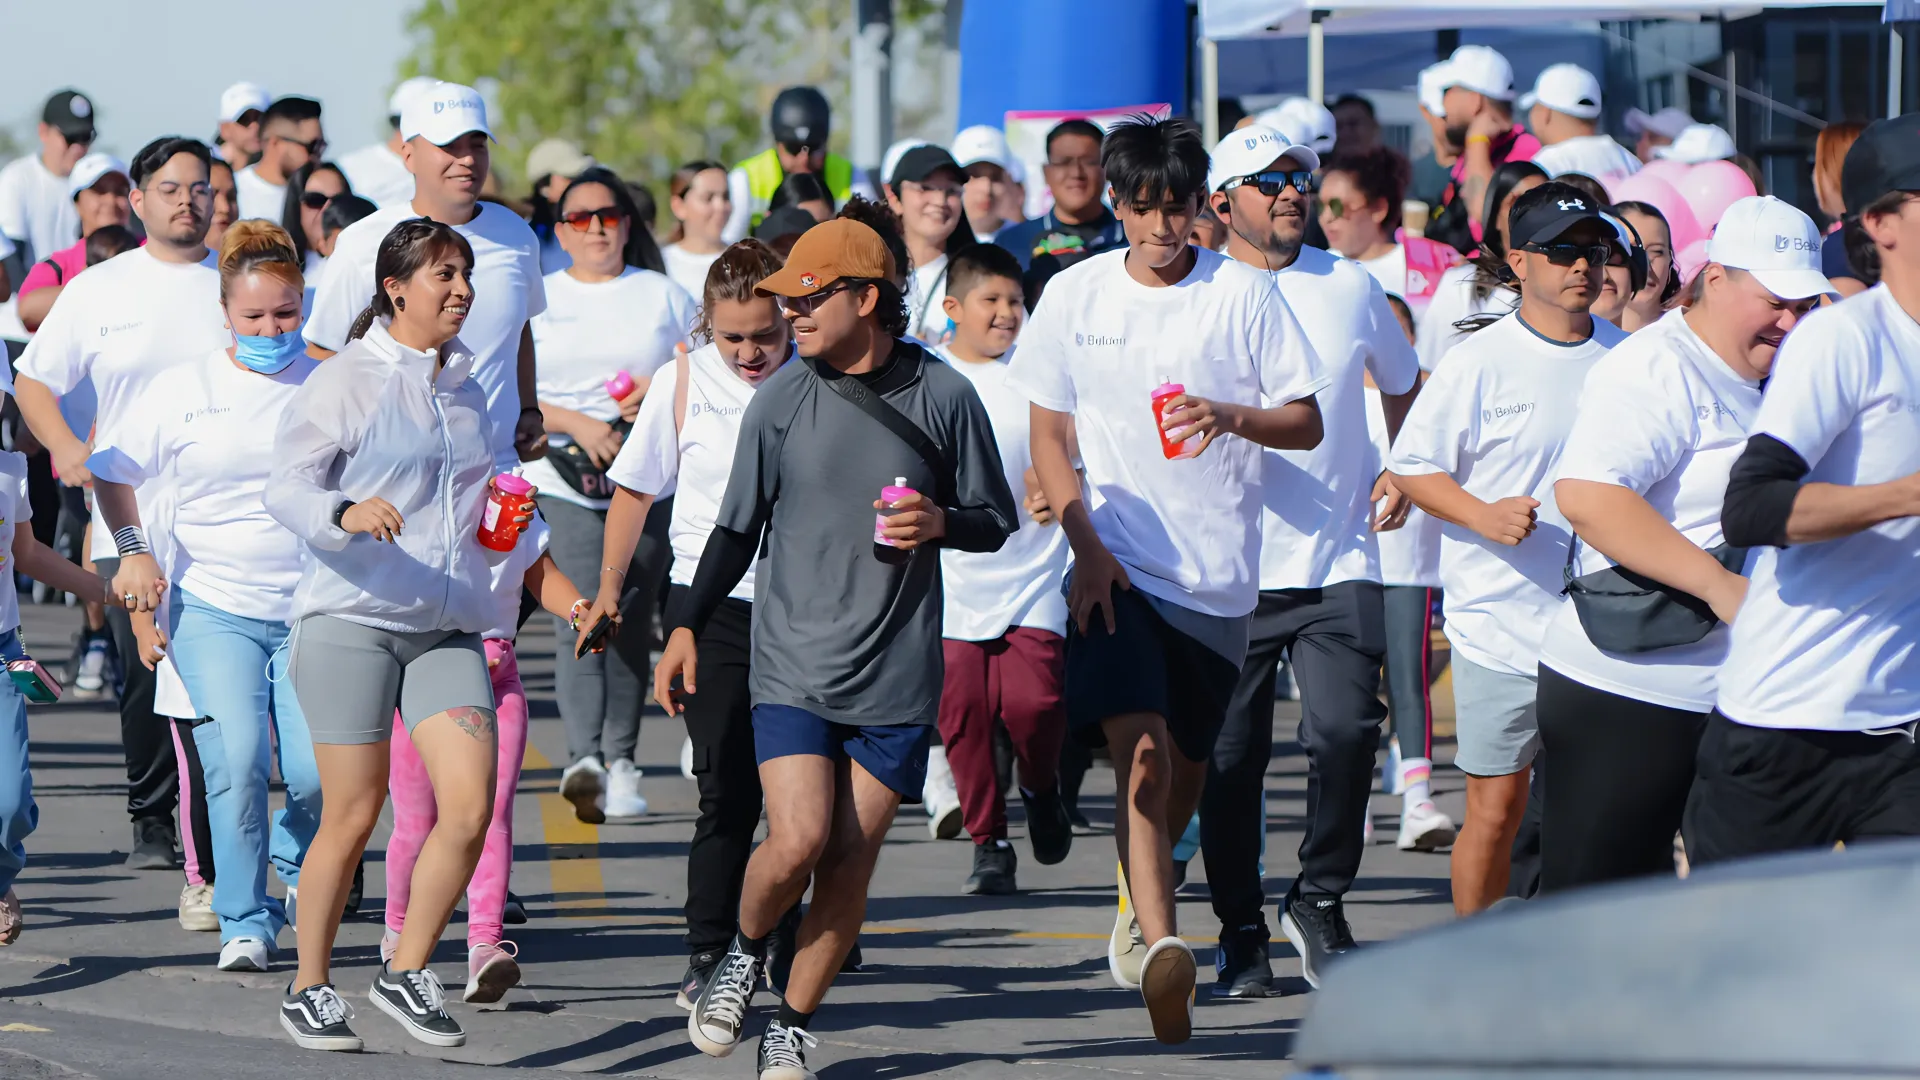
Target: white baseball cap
{"type": "Point", "coordinates": [241, 98]}
{"type": "Point", "coordinates": [1253, 149]}
{"type": "Point", "coordinates": [1481, 70]}
{"type": "Point", "coordinates": [443, 112]}
{"type": "Point", "coordinates": [981, 142]}
{"type": "Point", "coordinates": [1566, 88]}
{"type": "Point", "coordinates": [1432, 88]}
{"type": "Point", "coordinates": [1698, 143]}
{"type": "Point", "coordinates": [1667, 123]}
{"type": "Point", "coordinates": [1303, 121]}
{"type": "Point", "coordinates": [1773, 241]}
{"type": "Point", "coordinates": [397, 103]}
{"type": "Point", "coordinates": [88, 171]}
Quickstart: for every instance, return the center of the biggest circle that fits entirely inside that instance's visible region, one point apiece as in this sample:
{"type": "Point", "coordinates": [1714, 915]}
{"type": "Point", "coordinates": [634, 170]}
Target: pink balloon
{"type": "Point", "coordinates": [1690, 259]}
{"type": "Point", "coordinates": [1664, 197]}
{"type": "Point", "coordinates": [1712, 186]}
{"type": "Point", "coordinates": [1666, 169]}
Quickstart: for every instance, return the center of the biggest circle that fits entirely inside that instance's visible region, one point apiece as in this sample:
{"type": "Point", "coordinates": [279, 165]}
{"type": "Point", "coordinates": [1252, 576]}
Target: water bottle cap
{"type": "Point", "coordinates": [899, 481]}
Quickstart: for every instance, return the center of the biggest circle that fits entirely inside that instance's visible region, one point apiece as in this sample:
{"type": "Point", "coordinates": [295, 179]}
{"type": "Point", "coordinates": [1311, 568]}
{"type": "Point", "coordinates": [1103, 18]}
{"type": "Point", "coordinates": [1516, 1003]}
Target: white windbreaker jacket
{"type": "Point", "coordinates": [374, 421]}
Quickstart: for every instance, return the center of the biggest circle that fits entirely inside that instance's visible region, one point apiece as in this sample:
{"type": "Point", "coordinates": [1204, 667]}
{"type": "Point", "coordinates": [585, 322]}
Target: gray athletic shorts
{"type": "Point", "coordinates": [1497, 730]}
{"type": "Point", "coordinates": [350, 678]}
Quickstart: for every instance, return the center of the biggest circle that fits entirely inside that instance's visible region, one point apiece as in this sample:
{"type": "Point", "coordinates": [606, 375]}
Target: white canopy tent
{"type": "Point", "coordinates": [1224, 20]}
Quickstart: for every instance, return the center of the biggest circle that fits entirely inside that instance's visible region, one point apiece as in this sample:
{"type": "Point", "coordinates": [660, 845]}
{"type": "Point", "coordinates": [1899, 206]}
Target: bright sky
{"type": "Point", "coordinates": [156, 68]}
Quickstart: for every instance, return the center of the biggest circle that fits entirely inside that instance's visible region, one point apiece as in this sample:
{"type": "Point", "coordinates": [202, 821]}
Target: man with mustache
{"type": "Point", "coordinates": [1477, 105]}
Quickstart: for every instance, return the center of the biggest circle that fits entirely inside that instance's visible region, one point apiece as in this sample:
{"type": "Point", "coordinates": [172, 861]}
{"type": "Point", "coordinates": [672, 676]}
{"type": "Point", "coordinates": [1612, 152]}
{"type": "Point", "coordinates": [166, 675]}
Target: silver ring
{"type": "Point", "coordinates": [131, 599]}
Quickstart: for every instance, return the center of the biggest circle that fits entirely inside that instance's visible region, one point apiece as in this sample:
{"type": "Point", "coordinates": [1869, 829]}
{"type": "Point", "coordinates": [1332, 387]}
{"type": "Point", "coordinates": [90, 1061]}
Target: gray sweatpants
{"type": "Point", "coordinates": [601, 694]}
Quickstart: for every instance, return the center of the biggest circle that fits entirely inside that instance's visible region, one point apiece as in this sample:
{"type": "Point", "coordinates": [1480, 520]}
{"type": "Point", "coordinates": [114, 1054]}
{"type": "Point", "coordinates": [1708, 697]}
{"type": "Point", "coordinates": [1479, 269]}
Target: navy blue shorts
{"type": "Point", "coordinates": [895, 754]}
{"type": "Point", "coordinates": [1146, 666]}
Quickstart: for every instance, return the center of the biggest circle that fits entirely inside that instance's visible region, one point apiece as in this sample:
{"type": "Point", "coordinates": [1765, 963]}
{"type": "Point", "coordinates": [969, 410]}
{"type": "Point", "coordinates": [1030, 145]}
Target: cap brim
{"type": "Point", "coordinates": [1528, 99]}
{"type": "Point", "coordinates": [1557, 226]}
{"type": "Point", "coordinates": [1793, 284]}
{"type": "Point", "coordinates": [786, 282]}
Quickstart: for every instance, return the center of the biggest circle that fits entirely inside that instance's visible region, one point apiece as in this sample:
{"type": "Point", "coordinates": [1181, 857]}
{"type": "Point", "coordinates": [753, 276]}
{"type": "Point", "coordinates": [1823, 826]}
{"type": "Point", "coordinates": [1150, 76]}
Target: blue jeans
{"type": "Point", "coordinates": [236, 673]}
{"type": "Point", "coordinates": [18, 813]}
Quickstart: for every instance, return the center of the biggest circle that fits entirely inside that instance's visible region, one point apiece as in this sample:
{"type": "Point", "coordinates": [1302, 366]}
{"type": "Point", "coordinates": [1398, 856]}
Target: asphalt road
{"type": "Point", "coordinates": [105, 983]}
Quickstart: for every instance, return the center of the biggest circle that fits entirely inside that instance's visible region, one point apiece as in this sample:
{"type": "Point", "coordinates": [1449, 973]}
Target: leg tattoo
{"type": "Point", "coordinates": [475, 722]}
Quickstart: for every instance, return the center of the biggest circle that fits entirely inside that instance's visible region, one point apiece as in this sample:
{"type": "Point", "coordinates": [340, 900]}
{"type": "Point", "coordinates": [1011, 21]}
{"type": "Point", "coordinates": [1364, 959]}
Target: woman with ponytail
{"type": "Point", "coordinates": [383, 467]}
{"type": "Point", "coordinates": [226, 572]}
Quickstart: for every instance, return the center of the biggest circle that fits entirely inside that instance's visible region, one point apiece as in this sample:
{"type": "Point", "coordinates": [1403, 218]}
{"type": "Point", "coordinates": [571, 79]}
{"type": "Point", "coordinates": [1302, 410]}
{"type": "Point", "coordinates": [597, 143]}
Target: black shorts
{"type": "Point", "coordinates": [1760, 790]}
{"type": "Point", "coordinates": [1146, 666]}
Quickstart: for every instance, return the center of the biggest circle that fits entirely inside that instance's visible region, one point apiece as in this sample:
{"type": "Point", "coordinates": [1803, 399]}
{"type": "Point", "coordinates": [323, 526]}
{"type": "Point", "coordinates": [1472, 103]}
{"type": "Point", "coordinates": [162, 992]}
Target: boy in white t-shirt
{"type": "Point", "coordinates": [1479, 450]}
{"type": "Point", "coordinates": [1166, 539]}
{"type": "Point", "coordinates": [1005, 619]}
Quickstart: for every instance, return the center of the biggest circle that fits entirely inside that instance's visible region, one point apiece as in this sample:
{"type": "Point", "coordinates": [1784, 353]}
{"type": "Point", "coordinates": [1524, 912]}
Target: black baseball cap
{"type": "Point", "coordinates": [71, 113]}
{"type": "Point", "coordinates": [800, 117]}
{"type": "Point", "coordinates": [1885, 158]}
{"type": "Point", "coordinates": [786, 221]}
{"type": "Point", "coordinates": [921, 162]}
{"type": "Point", "coordinates": [1551, 210]}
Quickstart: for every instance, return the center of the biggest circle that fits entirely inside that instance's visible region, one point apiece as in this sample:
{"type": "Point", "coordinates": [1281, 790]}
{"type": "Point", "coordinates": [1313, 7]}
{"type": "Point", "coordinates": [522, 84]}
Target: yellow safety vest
{"type": "Point", "coordinates": [764, 176]}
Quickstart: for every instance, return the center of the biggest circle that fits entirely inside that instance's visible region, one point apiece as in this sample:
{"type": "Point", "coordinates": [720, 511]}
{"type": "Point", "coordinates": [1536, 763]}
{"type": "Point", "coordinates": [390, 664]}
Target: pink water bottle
{"type": "Point", "coordinates": [505, 496]}
{"type": "Point", "coordinates": [1163, 394]}
{"type": "Point", "coordinates": [620, 386]}
{"type": "Point", "coordinates": [888, 496]}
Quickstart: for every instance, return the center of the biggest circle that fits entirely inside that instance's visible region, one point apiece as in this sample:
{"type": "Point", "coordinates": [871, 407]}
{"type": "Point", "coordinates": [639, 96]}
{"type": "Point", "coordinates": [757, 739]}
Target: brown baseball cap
{"type": "Point", "coordinates": [831, 250]}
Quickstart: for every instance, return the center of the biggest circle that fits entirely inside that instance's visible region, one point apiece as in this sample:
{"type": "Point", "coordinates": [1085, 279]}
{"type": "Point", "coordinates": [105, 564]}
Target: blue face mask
{"type": "Point", "coordinates": [269, 355]}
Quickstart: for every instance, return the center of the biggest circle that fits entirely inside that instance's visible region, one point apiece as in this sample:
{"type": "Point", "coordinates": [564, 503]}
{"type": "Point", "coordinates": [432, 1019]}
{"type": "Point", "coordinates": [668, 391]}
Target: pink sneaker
{"type": "Point", "coordinates": [10, 918]}
{"type": "Point", "coordinates": [491, 972]}
{"type": "Point", "coordinates": [389, 941]}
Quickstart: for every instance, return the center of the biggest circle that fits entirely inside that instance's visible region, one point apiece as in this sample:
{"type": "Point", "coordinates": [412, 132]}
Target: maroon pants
{"type": "Point", "coordinates": [1014, 680]}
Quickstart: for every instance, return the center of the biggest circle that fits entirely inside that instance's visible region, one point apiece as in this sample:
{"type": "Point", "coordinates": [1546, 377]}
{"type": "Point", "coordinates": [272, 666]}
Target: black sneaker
{"type": "Point", "coordinates": [781, 945]}
{"type": "Point", "coordinates": [993, 864]}
{"type": "Point", "coordinates": [317, 1019]}
{"type": "Point", "coordinates": [720, 1009]}
{"type": "Point", "coordinates": [856, 961]}
{"type": "Point", "coordinates": [419, 1002]}
{"type": "Point", "coordinates": [515, 913]}
{"type": "Point", "coordinates": [783, 1053]}
{"type": "Point", "coordinates": [1318, 929]}
{"type": "Point", "coordinates": [152, 846]}
{"type": "Point", "coordinates": [1049, 830]}
{"type": "Point", "coordinates": [699, 969]}
{"type": "Point", "coordinates": [357, 891]}
{"type": "Point", "coordinates": [1240, 965]}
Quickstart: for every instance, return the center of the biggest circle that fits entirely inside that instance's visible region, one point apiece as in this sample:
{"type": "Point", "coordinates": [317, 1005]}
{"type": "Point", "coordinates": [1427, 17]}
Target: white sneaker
{"type": "Point", "coordinates": [584, 784]}
{"type": "Point", "coordinates": [623, 791]}
{"type": "Point", "coordinates": [196, 908]}
{"type": "Point", "coordinates": [941, 796]}
{"type": "Point", "coordinates": [1167, 977]}
{"type": "Point", "coordinates": [1424, 828]}
{"type": "Point", "coordinates": [243, 954]}
{"type": "Point", "coordinates": [1126, 948]}
{"type": "Point", "coordinates": [91, 680]}
{"type": "Point", "coordinates": [686, 758]}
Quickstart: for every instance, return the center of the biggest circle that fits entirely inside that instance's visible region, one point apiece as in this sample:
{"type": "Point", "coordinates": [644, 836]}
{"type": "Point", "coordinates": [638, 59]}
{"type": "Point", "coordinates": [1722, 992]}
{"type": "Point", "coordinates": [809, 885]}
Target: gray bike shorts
{"type": "Point", "coordinates": [350, 678]}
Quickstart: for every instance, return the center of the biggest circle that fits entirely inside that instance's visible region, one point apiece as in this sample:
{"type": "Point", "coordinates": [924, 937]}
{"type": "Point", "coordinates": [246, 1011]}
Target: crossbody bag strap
{"type": "Point", "coordinates": [861, 397]}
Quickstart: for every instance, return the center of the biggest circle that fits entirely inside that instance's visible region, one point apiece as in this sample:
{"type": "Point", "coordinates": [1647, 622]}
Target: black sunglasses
{"type": "Point", "coordinates": [1568, 254]}
{"type": "Point", "coordinates": [315, 200]}
{"type": "Point", "coordinates": [1273, 183]}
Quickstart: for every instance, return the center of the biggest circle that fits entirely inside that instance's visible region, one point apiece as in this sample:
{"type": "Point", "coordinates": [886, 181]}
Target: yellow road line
{"type": "Point", "coordinates": [573, 852]}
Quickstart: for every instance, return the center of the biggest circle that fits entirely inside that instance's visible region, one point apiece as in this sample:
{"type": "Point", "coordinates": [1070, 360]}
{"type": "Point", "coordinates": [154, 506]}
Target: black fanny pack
{"type": "Point", "coordinates": [1626, 612]}
{"type": "Point", "coordinates": [576, 466]}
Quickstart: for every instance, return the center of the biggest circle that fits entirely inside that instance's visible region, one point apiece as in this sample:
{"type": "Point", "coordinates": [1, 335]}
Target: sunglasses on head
{"type": "Point", "coordinates": [315, 200]}
{"type": "Point", "coordinates": [1568, 254]}
{"type": "Point", "coordinates": [1274, 182]}
{"type": "Point", "coordinates": [582, 220]}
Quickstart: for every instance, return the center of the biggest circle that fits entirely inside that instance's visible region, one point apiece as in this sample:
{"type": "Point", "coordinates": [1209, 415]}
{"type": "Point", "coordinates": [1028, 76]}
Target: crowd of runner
{"type": "Point", "coordinates": [931, 500]}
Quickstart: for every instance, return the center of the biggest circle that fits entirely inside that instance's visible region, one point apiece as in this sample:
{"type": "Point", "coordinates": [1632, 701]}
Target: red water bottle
{"type": "Point", "coordinates": [620, 386]}
{"type": "Point", "coordinates": [505, 496]}
{"type": "Point", "coordinates": [1163, 394]}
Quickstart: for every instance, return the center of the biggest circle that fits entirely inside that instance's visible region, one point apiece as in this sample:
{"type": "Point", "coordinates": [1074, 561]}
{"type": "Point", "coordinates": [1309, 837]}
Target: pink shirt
{"type": "Point", "coordinates": [70, 261]}
{"type": "Point", "coordinates": [1515, 145]}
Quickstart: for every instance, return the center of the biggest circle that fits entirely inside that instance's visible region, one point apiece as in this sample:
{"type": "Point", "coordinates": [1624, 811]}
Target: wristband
{"type": "Point", "coordinates": [340, 513]}
{"type": "Point", "coordinates": [1471, 139]}
{"type": "Point", "coordinates": [528, 409]}
{"type": "Point", "coordinates": [130, 541]}
{"type": "Point", "coordinates": [573, 614]}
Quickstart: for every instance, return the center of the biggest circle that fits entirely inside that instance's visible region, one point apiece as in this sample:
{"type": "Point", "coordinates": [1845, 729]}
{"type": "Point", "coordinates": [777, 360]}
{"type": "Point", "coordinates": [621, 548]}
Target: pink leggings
{"type": "Point", "coordinates": [414, 815]}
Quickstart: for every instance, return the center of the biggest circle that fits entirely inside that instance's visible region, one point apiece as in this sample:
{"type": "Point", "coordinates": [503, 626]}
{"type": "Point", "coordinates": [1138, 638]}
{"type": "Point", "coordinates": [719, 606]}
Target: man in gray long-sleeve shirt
{"type": "Point", "coordinates": [846, 664]}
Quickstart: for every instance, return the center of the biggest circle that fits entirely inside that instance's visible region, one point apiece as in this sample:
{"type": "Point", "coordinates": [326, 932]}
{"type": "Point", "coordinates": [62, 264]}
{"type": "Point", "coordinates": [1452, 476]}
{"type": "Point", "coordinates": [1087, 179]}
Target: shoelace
{"type": "Point", "coordinates": [783, 1045]}
{"type": "Point", "coordinates": [426, 986]}
{"type": "Point", "coordinates": [327, 1005]}
{"type": "Point", "coordinates": [726, 997]}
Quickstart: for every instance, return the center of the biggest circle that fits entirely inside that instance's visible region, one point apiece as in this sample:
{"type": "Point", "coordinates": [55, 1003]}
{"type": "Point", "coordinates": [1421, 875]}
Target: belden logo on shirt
{"type": "Point", "coordinates": [117, 327]}
{"type": "Point", "coordinates": [1097, 340]}
{"type": "Point", "coordinates": [1714, 412]}
{"type": "Point", "coordinates": [696, 408]}
{"type": "Point", "coordinates": [1501, 412]}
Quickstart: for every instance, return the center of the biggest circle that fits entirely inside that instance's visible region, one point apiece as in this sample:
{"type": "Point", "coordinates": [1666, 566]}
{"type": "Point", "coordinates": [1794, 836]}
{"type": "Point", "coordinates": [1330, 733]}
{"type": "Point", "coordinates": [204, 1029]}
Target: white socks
{"type": "Point", "coordinates": [1415, 780]}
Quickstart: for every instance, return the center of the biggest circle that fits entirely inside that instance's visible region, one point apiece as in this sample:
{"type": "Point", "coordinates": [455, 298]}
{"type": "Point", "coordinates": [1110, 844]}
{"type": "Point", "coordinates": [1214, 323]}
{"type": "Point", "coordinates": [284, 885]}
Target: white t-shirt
{"type": "Point", "coordinates": [1390, 270]}
{"type": "Point", "coordinates": [1495, 417]}
{"type": "Point", "coordinates": [205, 456]}
{"type": "Point", "coordinates": [591, 332]}
{"type": "Point", "coordinates": [507, 291]}
{"type": "Point", "coordinates": [1595, 155]}
{"type": "Point", "coordinates": [1665, 418]}
{"type": "Point", "coordinates": [379, 174]}
{"type": "Point", "coordinates": [1187, 530]}
{"type": "Point", "coordinates": [693, 463]}
{"type": "Point", "coordinates": [1453, 300]}
{"type": "Point", "coordinates": [16, 512]}
{"type": "Point", "coordinates": [1316, 531]}
{"type": "Point", "coordinates": [926, 294]}
{"type": "Point", "coordinates": [688, 269]}
{"type": "Point", "coordinates": [509, 576]}
{"type": "Point", "coordinates": [1410, 554]}
{"type": "Point", "coordinates": [1825, 640]}
{"type": "Point", "coordinates": [259, 197]}
{"type": "Point", "coordinates": [988, 591]}
{"type": "Point", "coordinates": [123, 325]}
{"type": "Point", "coordinates": [35, 207]}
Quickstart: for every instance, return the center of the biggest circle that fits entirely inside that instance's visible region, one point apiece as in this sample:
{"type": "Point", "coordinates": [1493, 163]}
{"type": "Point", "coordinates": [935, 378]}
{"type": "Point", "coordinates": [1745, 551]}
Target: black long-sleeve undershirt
{"type": "Point", "coordinates": [723, 562]}
{"type": "Point", "coordinates": [1760, 493]}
